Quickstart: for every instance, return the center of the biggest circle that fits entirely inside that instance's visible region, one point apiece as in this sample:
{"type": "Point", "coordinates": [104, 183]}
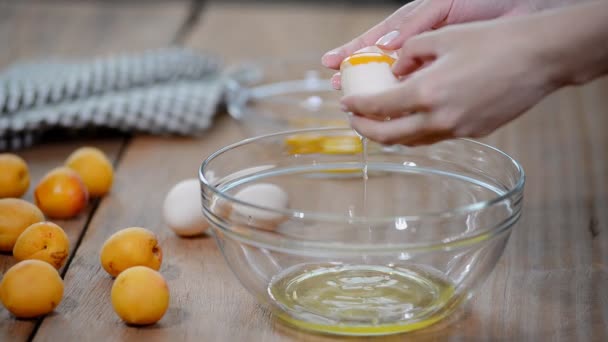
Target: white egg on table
{"type": "Point", "coordinates": [182, 209]}
{"type": "Point", "coordinates": [263, 195]}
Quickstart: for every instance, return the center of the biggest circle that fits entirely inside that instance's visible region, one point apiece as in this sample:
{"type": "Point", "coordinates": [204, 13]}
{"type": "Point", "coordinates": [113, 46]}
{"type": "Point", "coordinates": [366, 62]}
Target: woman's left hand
{"type": "Point", "coordinates": [467, 81]}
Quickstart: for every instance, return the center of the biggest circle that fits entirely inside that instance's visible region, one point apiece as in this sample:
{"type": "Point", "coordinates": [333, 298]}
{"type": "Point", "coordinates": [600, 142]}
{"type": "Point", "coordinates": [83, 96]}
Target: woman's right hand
{"type": "Point", "coordinates": [482, 75]}
{"type": "Point", "coordinates": [424, 15]}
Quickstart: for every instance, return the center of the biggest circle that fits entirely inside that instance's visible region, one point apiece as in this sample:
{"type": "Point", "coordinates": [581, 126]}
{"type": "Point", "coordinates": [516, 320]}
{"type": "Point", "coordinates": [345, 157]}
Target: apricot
{"type": "Point", "coordinates": [140, 296]}
{"type": "Point", "coordinates": [15, 216]}
{"type": "Point", "coordinates": [44, 241]}
{"type": "Point", "coordinates": [31, 288]}
{"type": "Point", "coordinates": [94, 168]}
{"type": "Point", "coordinates": [130, 247]}
{"type": "Point", "coordinates": [61, 194]}
{"type": "Point", "coordinates": [14, 175]}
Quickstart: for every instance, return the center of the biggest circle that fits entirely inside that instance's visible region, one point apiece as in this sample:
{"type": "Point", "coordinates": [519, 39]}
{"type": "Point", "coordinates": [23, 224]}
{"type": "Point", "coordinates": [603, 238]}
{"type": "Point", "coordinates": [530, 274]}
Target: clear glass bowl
{"type": "Point", "coordinates": [394, 253]}
{"type": "Point", "coordinates": [283, 94]}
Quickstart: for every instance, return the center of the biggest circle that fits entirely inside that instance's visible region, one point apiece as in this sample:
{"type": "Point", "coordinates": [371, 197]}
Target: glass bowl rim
{"type": "Point", "coordinates": [333, 218]}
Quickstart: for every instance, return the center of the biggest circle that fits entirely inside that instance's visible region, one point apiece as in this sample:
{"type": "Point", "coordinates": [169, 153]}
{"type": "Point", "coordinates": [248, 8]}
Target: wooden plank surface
{"type": "Point", "coordinates": [551, 281]}
{"type": "Point", "coordinates": [549, 285]}
{"type": "Point", "coordinates": [208, 304]}
{"type": "Point", "coordinates": [32, 30]}
{"type": "Point", "coordinates": [276, 31]}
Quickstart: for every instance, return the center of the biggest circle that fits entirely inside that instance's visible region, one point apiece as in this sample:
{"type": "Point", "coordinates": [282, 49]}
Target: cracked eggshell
{"type": "Point", "coordinates": [372, 75]}
{"type": "Point", "coordinates": [376, 49]}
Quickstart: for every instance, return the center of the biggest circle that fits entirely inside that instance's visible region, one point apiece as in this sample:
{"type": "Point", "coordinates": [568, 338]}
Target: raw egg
{"type": "Point", "coordinates": [182, 209]}
{"type": "Point", "coordinates": [367, 71]}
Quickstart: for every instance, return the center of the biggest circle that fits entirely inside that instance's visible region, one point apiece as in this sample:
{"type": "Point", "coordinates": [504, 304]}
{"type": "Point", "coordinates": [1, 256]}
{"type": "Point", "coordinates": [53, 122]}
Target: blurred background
{"type": "Point", "coordinates": [86, 27]}
{"type": "Point", "coordinates": [90, 68]}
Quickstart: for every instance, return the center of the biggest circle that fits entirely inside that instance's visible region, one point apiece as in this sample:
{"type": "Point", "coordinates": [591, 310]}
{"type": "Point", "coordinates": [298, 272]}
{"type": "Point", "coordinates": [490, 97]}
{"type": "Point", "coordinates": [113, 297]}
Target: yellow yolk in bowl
{"type": "Point", "coordinates": [333, 144]}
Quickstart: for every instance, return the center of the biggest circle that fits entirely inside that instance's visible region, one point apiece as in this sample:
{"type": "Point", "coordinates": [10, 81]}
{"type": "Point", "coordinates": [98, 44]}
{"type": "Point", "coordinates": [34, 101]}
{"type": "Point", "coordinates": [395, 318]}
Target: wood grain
{"type": "Point", "coordinates": [207, 301]}
{"type": "Point", "coordinates": [71, 29]}
{"type": "Point", "coordinates": [549, 285]}
{"type": "Point", "coordinates": [241, 32]}
{"type": "Point", "coordinates": [36, 30]}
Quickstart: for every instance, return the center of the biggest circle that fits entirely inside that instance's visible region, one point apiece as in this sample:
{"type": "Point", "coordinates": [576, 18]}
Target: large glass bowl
{"type": "Point", "coordinates": [394, 253]}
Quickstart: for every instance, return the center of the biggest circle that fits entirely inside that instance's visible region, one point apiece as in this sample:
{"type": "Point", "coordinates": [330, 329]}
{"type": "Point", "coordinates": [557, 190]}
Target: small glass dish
{"type": "Point", "coordinates": [283, 94]}
{"type": "Point", "coordinates": [394, 253]}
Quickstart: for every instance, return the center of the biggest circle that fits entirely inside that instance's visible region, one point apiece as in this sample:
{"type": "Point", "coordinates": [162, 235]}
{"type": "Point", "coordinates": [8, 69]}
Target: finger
{"type": "Point", "coordinates": [398, 131]}
{"type": "Point", "coordinates": [409, 67]}
{"type": "Point", "coordinates": [426, 138]}
{"type": "Point", "coordinates": [333, 58]}
{"type": "Point", "coordinates": [391, 103]}
{"type": "Point", "coordinates": [416, 52]}
{"type": "Point", "coordinates": [336, 81]}
{"type": "Point", "coordinates": [412, 130]}
{"type": "Point", "coordinates": [422, 18]}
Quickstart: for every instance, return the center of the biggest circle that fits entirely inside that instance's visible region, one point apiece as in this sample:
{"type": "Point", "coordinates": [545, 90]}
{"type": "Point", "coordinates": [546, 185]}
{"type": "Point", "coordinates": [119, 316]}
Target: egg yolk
{"type": "Point", "coordinates": [304, 143]}
{"type": "Point", "coordinates": [342, 145]}
{"type": "Point", "coordinates": [308, 144]}
{"type": "Point", "coordinates": [366, 58]}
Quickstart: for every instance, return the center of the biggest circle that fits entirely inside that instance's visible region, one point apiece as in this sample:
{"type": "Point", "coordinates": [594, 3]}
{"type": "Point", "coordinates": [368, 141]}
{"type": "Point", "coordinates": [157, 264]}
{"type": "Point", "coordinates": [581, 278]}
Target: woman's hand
{"type": "Point", "coordinates": [470, 79]}
{"type": "Point", "coordinates": [421, 16]}
{"type": "Point", "coordinates": [476, 77]}
{"type": "Point", "coordinates": [424, 15]}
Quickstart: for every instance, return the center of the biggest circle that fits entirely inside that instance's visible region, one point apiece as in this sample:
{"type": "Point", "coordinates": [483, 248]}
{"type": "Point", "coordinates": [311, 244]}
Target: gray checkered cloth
{"type": "Point", "coordinates": [168, 91]}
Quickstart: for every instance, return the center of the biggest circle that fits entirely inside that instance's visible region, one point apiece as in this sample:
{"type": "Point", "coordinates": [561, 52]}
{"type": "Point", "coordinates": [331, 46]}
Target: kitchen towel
{"type": "Point", "coordinates": [165, 91]}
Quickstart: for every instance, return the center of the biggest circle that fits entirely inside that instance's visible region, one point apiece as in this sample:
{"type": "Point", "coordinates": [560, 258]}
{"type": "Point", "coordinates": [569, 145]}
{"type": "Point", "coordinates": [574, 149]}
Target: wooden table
{"type": "Point", "coordinates": [551, 283]}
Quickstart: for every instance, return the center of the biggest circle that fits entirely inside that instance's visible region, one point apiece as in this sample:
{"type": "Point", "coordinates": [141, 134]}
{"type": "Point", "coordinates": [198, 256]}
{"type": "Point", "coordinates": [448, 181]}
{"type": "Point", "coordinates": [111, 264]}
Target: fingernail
{"type": "Point", "coordinates": [387, 38]}
{"type": "Point", "coordinates": [344, 108]}
{"type": "Point", "coordinates": [335, 81]}
{"type": "Point", "coordinates": [335, 84]}
{"type": "Point", "coordinates": [395, 67]}
{"type": "Point", "coordinates": [328, 55]}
